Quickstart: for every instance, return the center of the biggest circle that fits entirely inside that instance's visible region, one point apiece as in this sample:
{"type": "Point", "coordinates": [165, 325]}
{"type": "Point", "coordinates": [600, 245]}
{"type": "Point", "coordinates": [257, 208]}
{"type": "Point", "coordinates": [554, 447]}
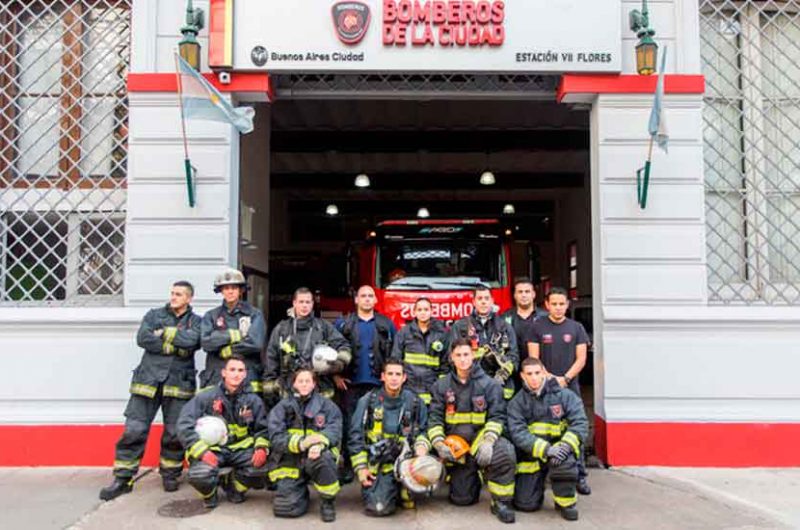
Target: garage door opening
{"type": "Point", "coordinates": [324, 229]}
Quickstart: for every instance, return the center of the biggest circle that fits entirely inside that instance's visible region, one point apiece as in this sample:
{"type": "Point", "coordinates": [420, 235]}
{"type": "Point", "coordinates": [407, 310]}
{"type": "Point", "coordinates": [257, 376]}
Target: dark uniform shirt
{"type": "Point", "coordinates": [523, 327]}
{"type": "Point", "coordinates": [558, 342]}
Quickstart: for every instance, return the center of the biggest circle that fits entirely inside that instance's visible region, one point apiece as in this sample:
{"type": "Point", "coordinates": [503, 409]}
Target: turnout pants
{"type": "Point", "coordinates": [139, 415]}
{"type": "Point", "coordinates": [383, 497]}
{"type": "Point", "coordinates": [291, 482]}
{"type": "Point", "coordinates": [576, 388]}
{"type": "Point", "coordinates": [465, 482]}
{"type": "Point", "coordinates": [205, 478]}
{"type": "Point", "coordinates": [531, 475]}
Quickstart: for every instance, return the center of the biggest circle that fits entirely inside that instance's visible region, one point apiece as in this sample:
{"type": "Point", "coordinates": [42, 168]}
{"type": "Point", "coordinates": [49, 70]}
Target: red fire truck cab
{"type": "Point", "coordinates": [442, 260]}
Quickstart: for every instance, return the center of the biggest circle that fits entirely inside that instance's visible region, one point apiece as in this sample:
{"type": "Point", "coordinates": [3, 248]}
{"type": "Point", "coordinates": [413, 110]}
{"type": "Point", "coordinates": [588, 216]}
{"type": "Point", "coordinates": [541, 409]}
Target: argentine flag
{"type": "Point", "coordinates": [201, 100]}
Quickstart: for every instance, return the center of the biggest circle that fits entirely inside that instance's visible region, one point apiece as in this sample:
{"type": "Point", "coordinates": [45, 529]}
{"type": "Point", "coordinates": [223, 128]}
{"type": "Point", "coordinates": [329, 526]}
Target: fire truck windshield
{"type": "Point", "coordinates": [440, 264]}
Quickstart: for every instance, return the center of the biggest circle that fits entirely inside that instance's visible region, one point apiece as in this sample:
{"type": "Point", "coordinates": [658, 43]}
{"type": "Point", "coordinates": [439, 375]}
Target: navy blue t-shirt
{"type": "Point", "coordinates": [557, 343]}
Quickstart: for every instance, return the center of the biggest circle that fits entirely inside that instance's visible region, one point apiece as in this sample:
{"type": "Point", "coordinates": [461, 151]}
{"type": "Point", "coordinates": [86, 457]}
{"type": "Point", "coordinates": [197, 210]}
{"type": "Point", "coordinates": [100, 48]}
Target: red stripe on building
{"type": "Point", "coordinates": [251, 82]}
{"type": "Point", "coordinates": [68, 445]}
{"type": "Point", "coordinates": [580, 84]}
{"type": "Point", "coordinates": [699, 444]}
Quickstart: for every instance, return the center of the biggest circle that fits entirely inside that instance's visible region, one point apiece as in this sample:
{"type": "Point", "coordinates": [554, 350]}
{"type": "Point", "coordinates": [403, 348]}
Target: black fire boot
{"type": "Point", "coordinates": [503, 511]}
{"type": "Point", "coordinates": [327, 510]}
{"type": "Point", "coordinates": [120, 486]}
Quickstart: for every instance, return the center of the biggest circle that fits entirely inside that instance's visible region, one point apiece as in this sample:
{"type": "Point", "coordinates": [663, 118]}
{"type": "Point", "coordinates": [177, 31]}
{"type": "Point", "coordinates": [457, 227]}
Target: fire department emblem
{"type": "Point", "coordinates": [557, 411]}
{"type": "Point", "coordinates": [351, 20]}
{"type": "Point", "coordinates": [547, 339]}
{"type": "Point", "coordinates": [216, 406]}
{"type": "Point", "coordinates": [567, 338]}
{"type": "Point", "coordinates": [319, 421]}
{"type": "Point", "coordinates": [479, 403]}
{"type": "Point", "coordinates": [220, 321]}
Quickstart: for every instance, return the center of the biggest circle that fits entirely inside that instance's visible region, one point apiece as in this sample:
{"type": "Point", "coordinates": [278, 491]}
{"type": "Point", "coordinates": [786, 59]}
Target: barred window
{"type": "Point", "coordinates": [750, 53]}
{"type": "Point", "coordinates": [63, 150]}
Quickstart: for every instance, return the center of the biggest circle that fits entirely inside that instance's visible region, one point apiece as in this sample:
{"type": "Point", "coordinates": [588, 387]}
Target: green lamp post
{"type": "Point", "coordinates": [646, 48]}
{"type": "Point", "coordinates": [188, 47]}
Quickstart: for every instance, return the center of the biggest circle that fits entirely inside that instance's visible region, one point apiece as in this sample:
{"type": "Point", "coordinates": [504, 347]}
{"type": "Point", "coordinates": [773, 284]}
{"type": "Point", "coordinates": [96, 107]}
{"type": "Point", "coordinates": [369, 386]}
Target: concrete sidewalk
{"type": "Point", "coordinates": [651, 498]}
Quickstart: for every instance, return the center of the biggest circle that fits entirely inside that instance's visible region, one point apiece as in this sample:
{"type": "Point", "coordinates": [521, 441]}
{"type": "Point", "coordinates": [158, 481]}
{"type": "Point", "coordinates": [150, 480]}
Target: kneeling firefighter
{"type": "Point", "coordinates": [548, 426]}
{"type": "Point", "coordinates": [386, 424]}
{"type": "Point", "coordinates": [306, 430]}
{"type": "Point", "coordinates": [468, 409]}
{"type": "Point", "coordinates": [245, 448]}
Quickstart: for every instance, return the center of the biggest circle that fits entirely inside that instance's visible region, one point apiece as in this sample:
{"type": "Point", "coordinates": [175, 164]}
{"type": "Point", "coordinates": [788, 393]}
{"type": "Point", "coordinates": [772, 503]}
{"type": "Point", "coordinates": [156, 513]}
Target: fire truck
{"type": "Point", "coordinates": [442, 260]}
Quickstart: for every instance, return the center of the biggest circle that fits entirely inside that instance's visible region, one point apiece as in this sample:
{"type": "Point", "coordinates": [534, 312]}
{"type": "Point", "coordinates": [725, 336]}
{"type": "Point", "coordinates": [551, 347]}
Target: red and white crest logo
{"type": "Point", "coordinates": [351, 20]}
{"type": "Point", "coordinates": [319, 421]}
{"type": "Point", "coordinates": [557, 411]}
{"type": "Point", "coordinates": [567, 338]}
{"type": "Point", "coordinates": [547, 339]}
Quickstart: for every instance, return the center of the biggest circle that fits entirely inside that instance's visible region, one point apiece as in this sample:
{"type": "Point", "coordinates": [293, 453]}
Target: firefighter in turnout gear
{"type": "Point", "coordinates": [233, 327]}
{"type": "Point", "coordinates": [423, 345]}
{"type": "Point", "coordinates": [468, 403]}
{"type": "Point", "coordinates": [247, 446]}
{"type": "Point", "coordinates": [165, 378]}
{"type": "Point", "coordinates": [291, 347]}
{"type": "Point", "coordinates": [548, 426]}
{"type": "Point", "coordinates": [492, 339]}
{"type": "Point", "coordinates": [306, 430]}
{"type": "Point", "coordinates": [389, 423]}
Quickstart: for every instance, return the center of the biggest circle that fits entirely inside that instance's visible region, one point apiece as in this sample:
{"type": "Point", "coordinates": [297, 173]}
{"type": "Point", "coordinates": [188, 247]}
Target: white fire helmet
{"type": "Point", "coordinates": [421, 474]}
{"type": "Point", "coordinates": [322, 358]}
{"type": "Point", "coordinates": [212, 430]}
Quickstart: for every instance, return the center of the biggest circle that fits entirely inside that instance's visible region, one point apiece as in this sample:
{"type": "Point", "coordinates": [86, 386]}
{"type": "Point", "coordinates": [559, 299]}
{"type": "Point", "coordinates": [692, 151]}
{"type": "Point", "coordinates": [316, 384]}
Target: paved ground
{"type": "Point", "coordinates": [651, 498]}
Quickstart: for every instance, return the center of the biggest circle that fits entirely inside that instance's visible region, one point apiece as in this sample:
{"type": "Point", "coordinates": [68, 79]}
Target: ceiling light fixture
{"type": "Point", "coordinates": [487, 178]}
{"type": "Point", "coordinates": [509, 209]}
{"type": "Point", "coordinates": [332, 209]}
{"type": "Point", "coordinates": [423, 213]}
{"type": "Point", "coordinates": [362, 181]}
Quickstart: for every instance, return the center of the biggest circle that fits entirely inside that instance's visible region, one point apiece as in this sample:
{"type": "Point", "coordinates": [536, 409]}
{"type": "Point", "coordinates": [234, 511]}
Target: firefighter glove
{"type": "Point", "coordinates": [310, 440]}
{"type": "Point", "coordinates": [244, 325]}
{"type": "Point", "coordinates": [501, 376]}
{"type": "Point", "coordinates": [210, 458]}
{"type": "Point", "coordinates": [315, 451]}
{"type": "Point", "coordinates": [260, 457]}
{"type": "Point", "coordinates": [158, 332]}
{"type": "Point", "coordinates": [553, 455]}
{"type": "Point", "coordinates": [564, 450]}
{"type": "Point", "coordinates": [483, 456]}
{"type": "Point", "coordinates": [167, 348]}
{"type": "Point", "coordinates": [444, 452]}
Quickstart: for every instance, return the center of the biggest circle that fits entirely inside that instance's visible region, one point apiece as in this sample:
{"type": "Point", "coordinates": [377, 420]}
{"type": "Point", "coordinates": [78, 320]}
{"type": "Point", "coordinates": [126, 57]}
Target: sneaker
{"type": "Point", "coordinates": [570, 513]}
{"type": "Point", "coordinates": [503, 511]}
{"type": "Point", "coordinates": [583, 487]}
{"type": "Point", "coordinates": [327, 510]}
{"type": "Point", "coordinates": [170, 484]}
{"type": "Point", "coordinates": [120, 486]}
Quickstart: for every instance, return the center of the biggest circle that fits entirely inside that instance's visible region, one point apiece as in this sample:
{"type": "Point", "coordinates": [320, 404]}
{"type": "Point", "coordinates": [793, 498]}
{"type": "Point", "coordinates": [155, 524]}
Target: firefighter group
{"type": "Point", "coordinates": [491, 401]}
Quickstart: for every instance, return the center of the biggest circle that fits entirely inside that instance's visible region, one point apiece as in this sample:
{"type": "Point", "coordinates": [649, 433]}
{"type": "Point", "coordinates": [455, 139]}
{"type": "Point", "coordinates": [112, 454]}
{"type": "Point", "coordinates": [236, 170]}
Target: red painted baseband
{"type": "Point", "coordinates": [698, 444]}
{"type": "Point", "coordinates": [68, 445]}
{"type": "Point", "coordinates": [618, 444]}
{"type": "Point", "coordinates": [252, 82]}
{"type": "Point", "coordinates": [627, 84]}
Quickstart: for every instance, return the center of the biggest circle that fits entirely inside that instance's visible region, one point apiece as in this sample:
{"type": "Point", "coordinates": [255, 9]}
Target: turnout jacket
{"type": "Point", "coordinates": [497, 336]}
{"type": "Point", "coordinates": [242, 410]}
{"type": "Point", "coordinates": [169, 358]}
{"type": "Point", "coordinates": [222, 336]}
{"type": "Point", "coordinates": [379, 416]}
{"type": "Point", "coordinates": [425, 355]}
{"type": "Point", "coordinates": [291, 420]}
{"type": "Point", "coordinates": [467, 409]}
{"type": "Point", "coordinates": [535, 421]}
{"type": "Point", "coordinates": [291, 346]}
{"type": "Point", "coordinates": [381, 342]}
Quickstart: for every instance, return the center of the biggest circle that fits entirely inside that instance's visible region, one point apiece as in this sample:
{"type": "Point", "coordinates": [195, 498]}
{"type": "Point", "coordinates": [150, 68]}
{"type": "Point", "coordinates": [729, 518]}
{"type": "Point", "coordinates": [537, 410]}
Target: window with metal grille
{"type": "Point", "coordinates": [750, 53]}
{"type": "Point", "coordinates": [63, 150]}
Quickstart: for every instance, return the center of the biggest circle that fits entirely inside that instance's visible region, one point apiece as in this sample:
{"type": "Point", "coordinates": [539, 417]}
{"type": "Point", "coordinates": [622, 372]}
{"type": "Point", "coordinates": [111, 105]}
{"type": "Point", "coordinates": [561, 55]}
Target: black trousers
{"type": "Point", "coordinates": [465, 481]}
{"type": "Point", "coordinates": [205, 478]}
{"type": "Point", "coordinates": [139, 415]}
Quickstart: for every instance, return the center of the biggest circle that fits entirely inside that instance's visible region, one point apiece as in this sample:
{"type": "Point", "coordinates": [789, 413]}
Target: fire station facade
{"type": "Point", "coordinates": [696, 297]}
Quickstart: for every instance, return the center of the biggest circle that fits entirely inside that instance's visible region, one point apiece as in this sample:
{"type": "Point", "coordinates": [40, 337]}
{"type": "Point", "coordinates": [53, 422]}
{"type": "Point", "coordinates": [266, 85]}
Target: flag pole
{"type": "Point", "coordinates": [187, 164]}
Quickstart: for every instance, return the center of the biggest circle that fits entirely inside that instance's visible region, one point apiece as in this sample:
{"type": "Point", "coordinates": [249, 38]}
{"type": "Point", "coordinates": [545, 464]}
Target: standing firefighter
{"type": "Point", "coordinates": [548, 426]}
{"type": "Point", "coordinates": [524, 313]}
{"type": "Point", "coordinates": [303, 341]}
{"type": "Point", "coordinates": [492, 339]}
{"type": "Point", "coordinates": [245, 446]}
{"type": "Point", "coordinates": [388, 422]}
{"type": "Point", "coordinates": [465, 424]}
{"type": "Point", "coordinates": [306, 430]}
{"type": "Point", "coordinates": [233, 327]}
{"type": "Point", "coordinates": [423, 346]}
{"type": "Point", "coordinates": [165, 378]}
